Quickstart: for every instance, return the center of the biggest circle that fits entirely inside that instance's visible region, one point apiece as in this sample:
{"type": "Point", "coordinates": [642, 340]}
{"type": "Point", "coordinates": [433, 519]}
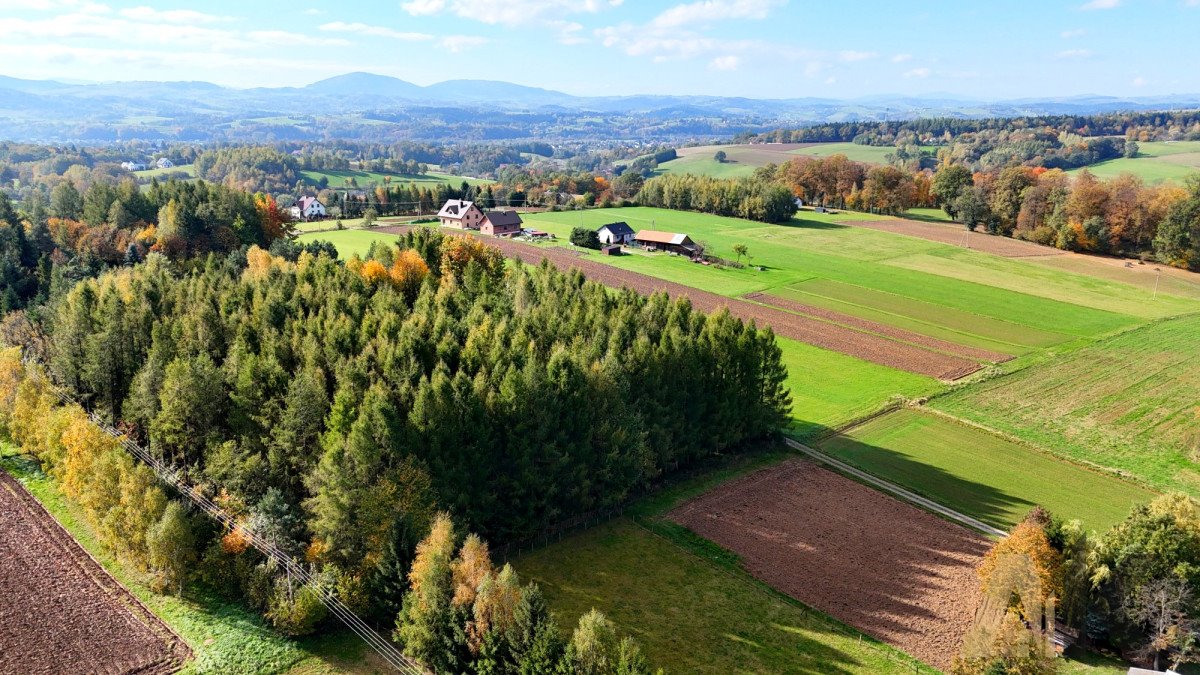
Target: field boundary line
{"type": "Point", "coordinates": [897, 491]}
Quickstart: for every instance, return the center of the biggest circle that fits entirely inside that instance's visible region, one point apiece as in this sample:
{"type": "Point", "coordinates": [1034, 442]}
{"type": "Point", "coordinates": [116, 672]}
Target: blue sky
{"type": "Point", "coordinates": [989, 49]}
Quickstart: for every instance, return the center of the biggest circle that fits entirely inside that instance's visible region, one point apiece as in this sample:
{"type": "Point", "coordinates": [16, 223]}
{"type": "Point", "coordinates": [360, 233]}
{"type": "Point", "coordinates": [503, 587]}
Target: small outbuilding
{"type": "Point", "coordinates": [611, 249]}
{"type": "Point", "coordinates": [461, 214]}
{"type": "Point", "coordinates": [666, 241]}
{"type": "Point", "coordinates": [501, 224]}
{"type": "Point", "coordinates": [615, 233]}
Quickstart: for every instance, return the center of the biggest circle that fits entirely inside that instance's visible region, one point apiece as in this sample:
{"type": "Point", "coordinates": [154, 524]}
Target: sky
{"type": "Point", "coordinates": [983, 49]}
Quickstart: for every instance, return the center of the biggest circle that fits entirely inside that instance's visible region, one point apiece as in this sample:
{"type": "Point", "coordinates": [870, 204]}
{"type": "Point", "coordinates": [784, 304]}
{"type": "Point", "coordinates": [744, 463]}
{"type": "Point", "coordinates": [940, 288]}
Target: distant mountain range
{"type": "Point", "coordinates": [365, 105]}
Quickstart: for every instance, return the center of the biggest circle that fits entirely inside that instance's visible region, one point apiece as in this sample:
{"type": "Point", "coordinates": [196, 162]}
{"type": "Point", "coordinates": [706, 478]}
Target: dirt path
{"type": "Point", "coordinates": [60, 612]}
{"type": "Point", "coordinates": [864, 345]}
{"type": "Point", "coordinates": [951, 348]}
{"type": "Point", "coordinates": [890, 569]}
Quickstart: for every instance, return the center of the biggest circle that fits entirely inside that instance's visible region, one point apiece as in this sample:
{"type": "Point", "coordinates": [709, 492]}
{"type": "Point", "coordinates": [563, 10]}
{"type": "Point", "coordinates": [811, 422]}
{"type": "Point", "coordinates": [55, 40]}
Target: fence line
{"type": "Point", "coordinates": [172, 477]}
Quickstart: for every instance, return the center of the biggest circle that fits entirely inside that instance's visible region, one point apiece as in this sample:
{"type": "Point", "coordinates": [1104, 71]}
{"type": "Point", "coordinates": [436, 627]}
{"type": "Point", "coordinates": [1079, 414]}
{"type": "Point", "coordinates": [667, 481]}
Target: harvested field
{"type": "Point", "coordinates": [889, 569]}
{"type": "Point", "coordinates": [866, 346]}
{"type": "Point", "coordinates": [882, 329]}
{"type": "Point", "coordinates": [61, 612]}
{"type": "Point", "coordinates": [952, 234]}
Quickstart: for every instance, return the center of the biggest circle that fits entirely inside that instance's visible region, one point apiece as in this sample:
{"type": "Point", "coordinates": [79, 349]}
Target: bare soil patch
{"type": "Point", "coordinates": [838, 338]}
{"type": "Point", "coordinates": [880, 328]}
{"type": "Point", "coordinates": [955, 234]}
{"type": "Point", "coordinates": [60, 612]}
{"type": "Point", "coordinates": [887, 568]}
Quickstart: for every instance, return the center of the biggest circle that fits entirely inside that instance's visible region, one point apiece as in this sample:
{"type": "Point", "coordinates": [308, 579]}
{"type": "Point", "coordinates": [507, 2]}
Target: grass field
{"type": "Point", "coordinates": [340, 179]}
{"type": "Point", "coordinates": [1130, 402]}
{"type": "Point", "coordinates": [189, 169]}
{"type": "Point", "coordinates": [224, 636]}
{"type": "Point", "coordinates": [981, 474]}
{"type": "Point", "coordinates": [742, 160]}
{"type": "Point", "coordinates": [1156, 162]}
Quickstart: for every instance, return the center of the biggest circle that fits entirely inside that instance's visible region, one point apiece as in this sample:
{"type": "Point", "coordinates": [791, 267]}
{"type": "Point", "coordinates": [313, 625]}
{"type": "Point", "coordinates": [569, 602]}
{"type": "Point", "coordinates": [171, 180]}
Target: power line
{"type": "Point", "coordinates": [172, 477]}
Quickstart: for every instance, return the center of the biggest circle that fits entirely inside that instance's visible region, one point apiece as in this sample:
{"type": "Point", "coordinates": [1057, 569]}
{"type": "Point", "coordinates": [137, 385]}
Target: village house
{"type": "Point", "coordinates": [308, 208]}
{"type": "Point", "coordinates": [615, 233]}
{"type": "Point", "coordinates": [501, 224]}
{"type": "Point", "coordinates": [164, 163]}
{"type": "Point", "coordinates": [654, 240]}
{"type": "Point", "coordinates": [133, 166]}
{"type": "Point", "coordinates": [461, 214]}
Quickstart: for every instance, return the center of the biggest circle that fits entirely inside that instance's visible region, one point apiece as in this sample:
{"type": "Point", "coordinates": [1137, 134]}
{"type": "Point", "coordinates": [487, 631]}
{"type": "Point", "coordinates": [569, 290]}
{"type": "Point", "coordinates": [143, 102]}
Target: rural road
{"type": "Point", "coordinates": [897, 491]}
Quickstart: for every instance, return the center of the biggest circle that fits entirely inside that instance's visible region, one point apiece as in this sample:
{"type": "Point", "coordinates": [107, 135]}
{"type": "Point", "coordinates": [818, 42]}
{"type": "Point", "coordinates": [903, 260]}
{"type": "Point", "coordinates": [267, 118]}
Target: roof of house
{"type": "Point", "coordinates": [656, 237]}
{"type": "Point", "coordinates": [455, 208]}
{"type": "Point", "coordinates": [306, 202]}
{"type": "Point", "coordinates": [620, 228]}
{"type": "Point", "coordinates": [503, 218]}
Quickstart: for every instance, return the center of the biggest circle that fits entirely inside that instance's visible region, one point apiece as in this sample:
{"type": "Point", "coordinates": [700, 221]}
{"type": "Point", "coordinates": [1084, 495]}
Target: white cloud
{"type": "Point", "coordinates": [423, 7]}
{"type": "Point", "coordinates": [1139, 81]}
{"type": "Point", "coordinates": [715, 10]}
{"type": "Point", "coordinates": [1099, 4]}
{"type": "Point", "coordinates": [507, 12]}
{"type": "Point", "coordinates": [459, 43]}
{"type": "Point", "coordinates": [918, 73]}
{"type": "Point", "coordinates": [376, 31]}
{"type": "Point", "coordinates": [851, 56]}
{"type": "Point", "coordinates": [725, 63]}
{"type": "Point", "coordinates": [79, 25]}
{"type": "Point", "coordinates": [170, 16]}
{"type": "Point", "coordinates": [901, 58]}
{"type": "Point", "coordinates": [285, 38]}
{"type": "Point", "coordinates": [1074, 53]}
{"type": "Point", "coordinates": [1073, 33]}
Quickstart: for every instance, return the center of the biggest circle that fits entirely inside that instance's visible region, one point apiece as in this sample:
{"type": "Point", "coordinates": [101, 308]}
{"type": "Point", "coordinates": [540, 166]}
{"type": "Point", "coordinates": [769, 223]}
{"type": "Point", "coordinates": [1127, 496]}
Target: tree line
{"type": "Point", "coordinates": [1131, 588]}
{"type": "Point", "coordinates": [755, 198]}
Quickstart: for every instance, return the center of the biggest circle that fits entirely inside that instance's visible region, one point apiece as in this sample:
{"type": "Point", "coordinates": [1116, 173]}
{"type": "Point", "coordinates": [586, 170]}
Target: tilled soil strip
{"type": "Point", "coordinates": [61, 612]}
{"type": "Point", "coordinates": [866, 346]}
{"type": "Point", "coordinates": [956, 235]}
{"type": "Point", "coordinates": [952, 348]}
{"type": "Point", "coordinates": [887, 568]}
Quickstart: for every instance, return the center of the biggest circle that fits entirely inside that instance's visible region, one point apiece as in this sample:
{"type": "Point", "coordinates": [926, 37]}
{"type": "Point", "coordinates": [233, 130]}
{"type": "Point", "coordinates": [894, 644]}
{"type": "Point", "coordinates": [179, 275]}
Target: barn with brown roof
{"type": "Point", "coordinates": [666, 241]}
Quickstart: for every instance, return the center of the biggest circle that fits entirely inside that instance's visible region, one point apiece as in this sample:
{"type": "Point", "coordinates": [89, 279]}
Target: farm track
{"type": "Point", "coordinates": [61, 612]}
{"type": "Point", "coordinates": [892, 570]}
{"type": "Point", "coordinates": [954, 235]}
{"type": "Point", "coordinates": [885, 330]}
{"type": "Point", "coordinates": [819, 333]}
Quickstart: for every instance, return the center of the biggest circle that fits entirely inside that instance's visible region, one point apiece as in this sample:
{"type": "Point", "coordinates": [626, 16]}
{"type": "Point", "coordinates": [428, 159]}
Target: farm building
{"type": "Point", "coordinates": [133, 166]}
{"type": "Point", "coordinates": [461, 214]}
{"type": "Point", "coordinates": [611, 249]}
{"type": "Point", "coordinates": [615, 233]}
{"type": "Point", "coordinates": [501, 223]}
{"type": "Point", "coordinates": [666, 241]}
{"type": "Point", "coordinates": [308, 208]}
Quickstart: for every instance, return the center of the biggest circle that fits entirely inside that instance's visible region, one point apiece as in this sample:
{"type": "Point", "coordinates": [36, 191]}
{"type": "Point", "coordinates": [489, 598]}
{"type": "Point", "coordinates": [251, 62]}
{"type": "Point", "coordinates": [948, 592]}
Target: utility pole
{"type": "Point", "coordinates": [1156, 280]}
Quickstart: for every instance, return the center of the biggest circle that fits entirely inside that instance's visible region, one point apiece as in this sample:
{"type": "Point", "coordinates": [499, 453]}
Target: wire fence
{"type": "Point", "coordinates": [174, 478]}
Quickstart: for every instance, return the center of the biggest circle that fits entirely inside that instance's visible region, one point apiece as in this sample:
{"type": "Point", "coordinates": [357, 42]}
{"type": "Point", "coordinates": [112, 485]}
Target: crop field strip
{"type": "Point", "coordinates": [61, 612]}
{"type": "Point", "coordinates": [1129, 402]}
{"type": "Point", "coordinates": [884, 330]}
{"type": "Point", "coordinates": [835, 337]}
{"type": "Point", "coordinates": [887, 568]}
{"type": "Point", "coordinates": [979, 473]}
{"type": "Point", "coordinates": [957, 235]}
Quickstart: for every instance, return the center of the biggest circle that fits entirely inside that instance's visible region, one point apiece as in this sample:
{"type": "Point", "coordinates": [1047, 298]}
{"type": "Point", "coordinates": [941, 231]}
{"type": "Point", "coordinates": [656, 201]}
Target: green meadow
{"type": "Point", "coordinates": [1156, 162]}
{"type": "Point", "coordinates": [364, 179]}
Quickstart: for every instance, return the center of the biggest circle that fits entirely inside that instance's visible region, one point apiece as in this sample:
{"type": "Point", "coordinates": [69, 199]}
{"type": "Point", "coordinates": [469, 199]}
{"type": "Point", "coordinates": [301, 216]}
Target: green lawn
{"type": "Point", "coordinates": [981, 474]}
{"type": "Point", "coordinates": [225, 637]}
{"type": "Point", "coordinates": [868, 154]}
{"type": "Point", "coordinates": [929, 215]}
{"type": "Point", "coordinates": [1129, 402]}
{"type": "Point", "coordinates": [349, 242]}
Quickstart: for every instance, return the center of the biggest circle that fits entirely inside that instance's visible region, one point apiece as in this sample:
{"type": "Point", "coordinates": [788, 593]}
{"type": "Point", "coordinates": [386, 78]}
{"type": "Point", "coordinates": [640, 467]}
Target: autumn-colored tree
{"type": "Point", "coordinates": [425, 625]}
{"type": "Point", "coordinates": [458, 252]}
{"type": "Point", "coordinates": [408, 272]}
{"type": "Point", "coordinates": [469, 569]}
{"type": "Point", "coordinates": [273, 220]}
{"type": "Point", "coordinates": [1028, 539]}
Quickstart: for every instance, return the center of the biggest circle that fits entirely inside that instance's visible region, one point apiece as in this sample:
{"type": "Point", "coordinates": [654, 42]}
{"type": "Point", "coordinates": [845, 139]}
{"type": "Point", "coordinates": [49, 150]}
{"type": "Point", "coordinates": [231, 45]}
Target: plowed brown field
{"type": "Point", "coordinates": [887, 568]}
{"type": "Point", "coordinates": [840, 338]}
{"type": "Point", "coordinates": [60, 612]}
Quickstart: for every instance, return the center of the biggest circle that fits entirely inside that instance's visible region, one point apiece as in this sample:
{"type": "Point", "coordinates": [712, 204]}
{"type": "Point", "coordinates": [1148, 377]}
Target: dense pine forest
{"type": "Point", "coordinates": [338, 406]}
